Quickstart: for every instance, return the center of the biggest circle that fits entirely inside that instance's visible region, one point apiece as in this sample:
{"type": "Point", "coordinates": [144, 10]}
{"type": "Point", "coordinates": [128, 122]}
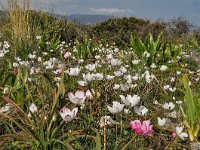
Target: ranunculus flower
{"type": "Point", "coordinates": [82, 83]}
{"type": "Point", "coordinates": [144, 128]}
{"type": "Point", "coordinates": [6, 108]}
{"type": "Point", "coordinates": [116, 107]}
{"type": "Point", "coordinates": [74, 71]}
{"type": "Point", "coordinates": [89, 95]}
{"type": "Point", "coordinates": [168, 106]}
{"type": "Point", "coordinates": [163, 68]}
{"type": "Point", "coordinates": [180, 133]}
{"type": "Point", "coordinates": [161, 122]}
{"type": "Point", "coordinates": [67, 114]}
{"type": "Point", "coordinates": [67, 55]}
{"type": "Point", "coordinates": [135, 62]}
{"type": "Point", "coordinates": [88, 77]}
{"type": "Point", "coordinates": [115, 62]}
{"type": "Point", "coordinates": [78, 98]}
{"type": "Point", "coordinates": [174, 134]}
{"type": "Point", "coordinates": [149, 77]}
{"type": "Point", "coordinates": [91, 67]}
{"type": "Point", "coordinates": [109, 77]}
{"type": "Point", "coordinates": [33, 108]}
{"type": "Point", "coordinates": [142, 110]}
{"type": "Point", "coordinates": [130, 100]}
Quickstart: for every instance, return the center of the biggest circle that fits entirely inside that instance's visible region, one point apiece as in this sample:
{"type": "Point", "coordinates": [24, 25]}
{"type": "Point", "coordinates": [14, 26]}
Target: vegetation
{"type": "Point", "coordinates": [121, 84]}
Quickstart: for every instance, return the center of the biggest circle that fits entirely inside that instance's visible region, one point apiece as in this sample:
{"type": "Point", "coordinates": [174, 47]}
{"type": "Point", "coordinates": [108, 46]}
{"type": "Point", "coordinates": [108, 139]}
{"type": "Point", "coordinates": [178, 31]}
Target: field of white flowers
{"type": "Point", "coordinates": [80, 96]}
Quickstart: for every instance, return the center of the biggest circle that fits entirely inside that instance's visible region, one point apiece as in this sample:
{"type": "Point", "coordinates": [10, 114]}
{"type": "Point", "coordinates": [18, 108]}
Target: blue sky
{"type": "Point", "coordinates": [150, 9]}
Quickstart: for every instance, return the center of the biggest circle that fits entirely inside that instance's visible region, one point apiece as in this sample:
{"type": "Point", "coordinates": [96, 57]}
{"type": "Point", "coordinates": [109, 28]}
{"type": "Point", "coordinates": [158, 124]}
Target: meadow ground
{"type": "Point", "coordinates": [95, 94]}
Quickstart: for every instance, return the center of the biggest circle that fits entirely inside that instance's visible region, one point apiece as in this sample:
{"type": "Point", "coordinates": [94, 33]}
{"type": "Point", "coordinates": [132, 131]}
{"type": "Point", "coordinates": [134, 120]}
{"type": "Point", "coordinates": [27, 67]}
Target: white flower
{"type": "Point", "coordinates": [98, 76]}
{"type": "Point", "coordinates": [168, 106]}
{"type": "Point", "coordinates": [32, 56]}
{"type": "Point", "coordinates": [57, 71]}
{"type": "Point", "coordinates": [67, 114]}
{"type": "Point", "coordinates": [163, 68]}
{"type": "Point", "coordinates": [57, 79]}
{"type": "Point", "coordinates": [115, 62]}
{"type": "Point", "coordinates": [197, 79]}
{"type": "Point", "coordinates": [153, 65]}
{"type": "Point", "coordinates": [173, 114]}
{"type": "Point", "coordinates": [179, 102]}
{"type": "Point", "coordinates": [161, 122]}
{"type": "Point", "coordinates": [173, 79]}
{"type": "Point", "coordinates": [130, 100]}
{"type": "Point", "coordinates": [34, 70]}
{"type": "Point", "coordinates": [88, 77]}
{"type": "Point", "coordinates": [108, 77]}
{"type": "Point", "coordinates": [39, 59]}
{"type": "Point", "coordinates": [118, 73]}
{"type": "Point", "coordinates": [181, 134]}
{"type": "Point", "coordinates": [6, 45]}
{"type": "Point", "coordinates": [74, 71]}
{"type": "Point", "coordinates": [149, 78]}
{"type": "Point", "coordinates": [123, 69]}
{"type": "Point", "coordinates": [98, 57]}
{"type": "Point", "coordinates": [178, 72]}
{"type": "Point", "coordinates": [24, 63]}
{"type": "Point", "coordinates": [38, 37]}
{"type": "Point", "coordinates": [80, 61]}
{"type": "Point", "coordinates": [172, 89]}
{"type": "Point", "coordinates": [133, 86]}
{"type": "Point", "coordinates": [33, 108]}
{"type": "Point", "coordinates": [109, 57]}
{"type": "Point", "coordinates": [166, 87]}
{"type": "Point", "coordinates": [6, 108]}
{"type": "Point", "coordinates": [116, 50]}
{"type": "Point", "coordinates": [116, 87]}
{"type": "Point", "coordinates": [146, 54]}
{"type": "Point", "coordinates": [124, 87]}
{"type": "Point", "coordinates": [135, 77]}
{"type": "Point", "coordinates": [45, 53]}
{"type": "Point", "coordinates": [142, 110]}
{"type": "Point", "coordinates": [89, 94]}
{"type": "Point", "coordinates": [6, 90]}
{"type": "Point", "coordinates": [2, 54]}
{"type": "Point", "coordinates": [128, 78]}
{"type": "Point", "coordinates": [78, 98]}
{"type": "Point", "coordinates": [90, 67]}
{"type": "Point", "coordinates": [82, 83]}
{"type": "Point", "coordinates": [116, 107]}
{"type": "Point", "coordinates": [15, 64]}
{"type": "Point", "coordinates": [126, 111]}
{"type": "Point", "coordinates": [155, 102]}
{"type": "Point", "coordinates": [67, 55]}
{"type": "Point", "coordinates": [135, 62]}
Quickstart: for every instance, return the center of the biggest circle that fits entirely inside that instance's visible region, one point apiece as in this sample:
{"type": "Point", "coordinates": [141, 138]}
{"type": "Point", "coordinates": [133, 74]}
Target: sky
{"type": "Point", "coordinates": [148, 9]}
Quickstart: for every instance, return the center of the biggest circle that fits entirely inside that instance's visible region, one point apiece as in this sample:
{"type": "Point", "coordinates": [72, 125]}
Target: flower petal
{"type": "Point", "coordinates": [80, 94]}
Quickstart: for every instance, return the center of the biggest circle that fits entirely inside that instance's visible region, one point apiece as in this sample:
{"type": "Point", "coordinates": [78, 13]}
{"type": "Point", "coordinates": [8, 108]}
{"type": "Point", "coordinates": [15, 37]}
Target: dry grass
{"type": "Point", "coordinates": [19, 20]}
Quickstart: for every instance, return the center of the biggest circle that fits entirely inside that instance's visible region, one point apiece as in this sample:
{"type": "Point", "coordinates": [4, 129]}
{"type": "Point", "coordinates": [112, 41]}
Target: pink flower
{"type": "Point", "coordinates": [143, 128]}
{"type": "Point", "coordinates": [174, 134]}
{"type": "Point", "coordinates": [67, 55]}
{"type": "Point", "coordinates": [78, 98]}
{"type": "Point", "coordinates": [136, 126]}
{"type": "Point", "coordinates": [67, 114]}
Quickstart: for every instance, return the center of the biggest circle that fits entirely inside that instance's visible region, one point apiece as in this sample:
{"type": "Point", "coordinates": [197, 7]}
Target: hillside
{"type": "Point", "coordinates": [88, 19]}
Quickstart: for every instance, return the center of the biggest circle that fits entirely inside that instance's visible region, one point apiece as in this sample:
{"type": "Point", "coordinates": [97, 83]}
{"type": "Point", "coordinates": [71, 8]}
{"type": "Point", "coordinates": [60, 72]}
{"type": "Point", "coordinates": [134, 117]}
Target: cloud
{"type": "Point", "coordinates": [110, 11]}
{"type": "Point", "coordinates": [54, 1]}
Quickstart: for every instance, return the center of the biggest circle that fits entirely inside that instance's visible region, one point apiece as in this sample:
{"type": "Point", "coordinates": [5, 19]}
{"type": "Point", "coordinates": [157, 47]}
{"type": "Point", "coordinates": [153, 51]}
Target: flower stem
{"type": "Point", "coordinates": [124, 148]}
